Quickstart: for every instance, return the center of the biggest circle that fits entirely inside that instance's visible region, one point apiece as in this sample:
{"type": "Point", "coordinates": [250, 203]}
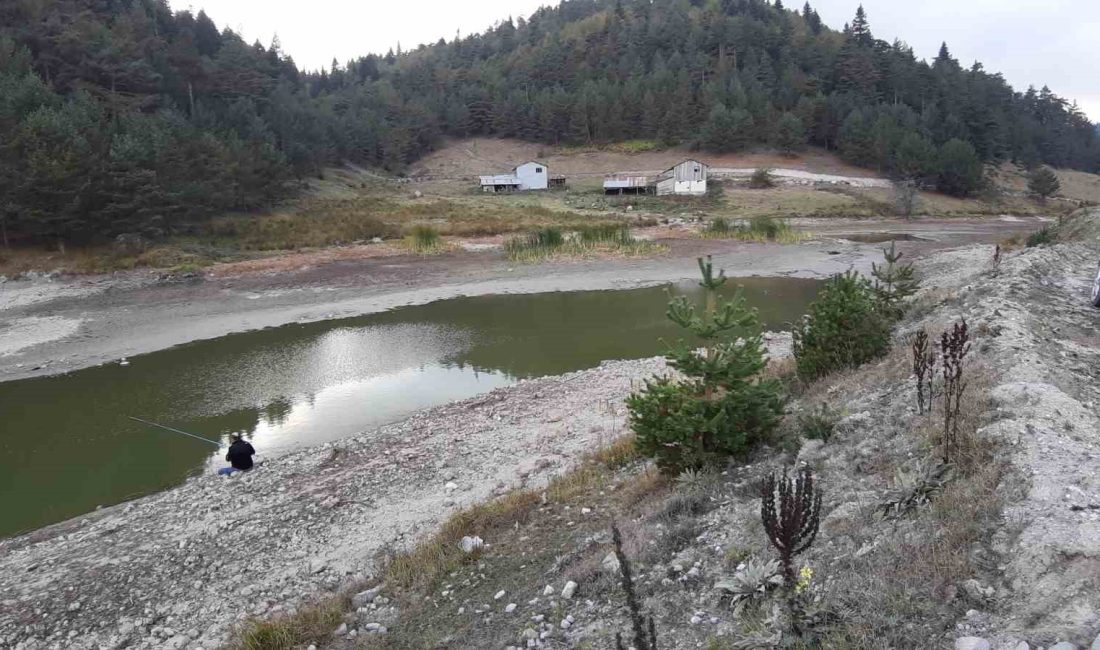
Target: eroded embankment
{"type": "Point", "coordinates": [997, 550]}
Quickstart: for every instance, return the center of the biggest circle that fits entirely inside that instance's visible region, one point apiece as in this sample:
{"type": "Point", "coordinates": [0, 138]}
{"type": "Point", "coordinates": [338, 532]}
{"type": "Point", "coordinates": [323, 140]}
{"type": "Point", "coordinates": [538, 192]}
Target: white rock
{"type": "Point", "coordinates": [341, 631]}
{"type": "Point", "coordinates": [500, 594]}
{"type": "Point", "coordinates": [364, 598]}
{"type": "Point", "coordinates": [569, 589]}
{"type": "Point", "coordinates": [695, 620]}
{"type": "Point", "coordinates": [548, 591]}
{"type": "Point", "coordinates": [510, 608]}
{"type": "Point", "coordinates": [1063, 645]}
{"type": "Point", "coordinates": [610, 563]}
{"type": "Point", "coordinates": [1096, 643]}
{"type": "Point", "coordinates": [469, 544]}
{"type": "Point", "coordinates": [971, 643]}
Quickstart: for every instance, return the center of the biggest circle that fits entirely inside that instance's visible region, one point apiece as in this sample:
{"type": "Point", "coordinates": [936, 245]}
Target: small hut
{"type": "Point", "coordinates": [689, 178]}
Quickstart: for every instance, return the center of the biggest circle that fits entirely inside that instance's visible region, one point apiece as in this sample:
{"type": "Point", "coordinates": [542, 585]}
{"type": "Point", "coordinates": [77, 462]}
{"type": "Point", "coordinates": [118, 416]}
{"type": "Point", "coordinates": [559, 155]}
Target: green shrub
{"type": "Point", "coordinates": [536, 244]}
{"type": "Point", "coordinates": [615, 233]}
{"type": "Point", "coordinates": [843, 329]}
{"type": "Point", "coordinates": [819, 424]}
{"type": "Point", "coordinates": [762, 179]}
{"type": "Point", "coordinates": [424, 239]}
{"type": "Point", "coordinates": [1040, 237]}
{"type": "Point", "coordinates": [759, 228]}
{"type": "Point", "coordinates": [894, 281]}
{"type": "Point", "coordinates": [1043, 183]}
{"type": "Point", "coordinates": [719, 405]}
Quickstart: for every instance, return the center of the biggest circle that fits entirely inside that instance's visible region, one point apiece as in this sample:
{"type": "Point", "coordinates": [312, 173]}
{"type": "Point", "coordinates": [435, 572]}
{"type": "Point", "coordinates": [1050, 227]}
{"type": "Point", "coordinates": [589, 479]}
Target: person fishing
{"type": "Point", "coordinates": [240, 453]}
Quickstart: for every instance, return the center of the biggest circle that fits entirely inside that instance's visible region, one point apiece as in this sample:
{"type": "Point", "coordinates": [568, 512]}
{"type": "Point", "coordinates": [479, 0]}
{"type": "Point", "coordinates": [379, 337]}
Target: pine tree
{"type": "Point", "coordinates": [720, 406]}
{"type": "Point", "coordinates": [894, 281]}
{"type": "Point", "coordinates": [790, 134]}
{"type": "Point", "coordinates": [1043, 183]}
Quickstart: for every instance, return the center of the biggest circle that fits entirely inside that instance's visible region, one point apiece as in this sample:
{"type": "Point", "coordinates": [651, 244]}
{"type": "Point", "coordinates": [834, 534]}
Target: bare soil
{"type": "Point", "coordinates": [468, 158]}
{"type": "Point", "coordinates": [131, 313]}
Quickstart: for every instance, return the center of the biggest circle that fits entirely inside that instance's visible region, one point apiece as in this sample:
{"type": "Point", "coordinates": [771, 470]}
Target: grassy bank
{"type": "Point", "coordinates": [585, 241]}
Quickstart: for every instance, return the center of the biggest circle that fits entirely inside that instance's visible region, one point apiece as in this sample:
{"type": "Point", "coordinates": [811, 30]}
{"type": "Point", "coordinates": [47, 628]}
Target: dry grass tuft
{"type": "Point", "coordinates": [310, 624]}
{"type": "Point", "coordinates": [441, 553]}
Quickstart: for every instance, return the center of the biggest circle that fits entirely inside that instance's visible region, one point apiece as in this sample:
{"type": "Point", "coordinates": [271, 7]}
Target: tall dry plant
{"type": "Point", "coordinates": [924, 367]}
{"type": "Point", "coordinates": [954, 346]}
{"type": "Point", "coordinates": [645, 631]}
{"type": "Point", "coordinates": [791, 511]}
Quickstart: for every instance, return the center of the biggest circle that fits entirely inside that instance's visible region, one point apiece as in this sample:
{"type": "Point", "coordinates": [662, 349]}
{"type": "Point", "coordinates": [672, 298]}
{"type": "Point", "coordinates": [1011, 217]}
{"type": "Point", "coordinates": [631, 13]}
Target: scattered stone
{"type": "Point", "coordinates": [548, 591]}
{"type": "Point", "coordinates": [500, 594]}
{"type": "Point", "coordinates": [510, 608]}
{"type": "Point", "coordinates": [569, 589]}
{"type": "Point", "coordinates": [1063, 645]}
{"type": "Point", "coordinates": [470, 544]}
{"type": "Point", "coordinates": [971, 643]}
{"type": "Point", "coordinates": [610, 563]}
{"type": "Point", "coordinates": [364, 598]}
{"type": "Point", "coordinates": [341, 631]}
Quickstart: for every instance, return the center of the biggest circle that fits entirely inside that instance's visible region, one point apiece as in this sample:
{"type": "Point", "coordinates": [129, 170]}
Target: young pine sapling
{"type": "Point", "coordinates": [894, 281]}
{"type": "Point", "coordinates": [719, 405]}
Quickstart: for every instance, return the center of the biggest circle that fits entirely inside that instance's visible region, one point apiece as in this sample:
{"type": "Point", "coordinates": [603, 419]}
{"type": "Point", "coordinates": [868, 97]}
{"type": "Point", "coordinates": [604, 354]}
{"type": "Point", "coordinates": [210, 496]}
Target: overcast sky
{"type": "Point", "coordinates": [1052, 42]}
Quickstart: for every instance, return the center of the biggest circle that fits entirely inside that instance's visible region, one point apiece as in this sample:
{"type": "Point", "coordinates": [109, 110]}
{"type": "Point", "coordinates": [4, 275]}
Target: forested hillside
{"type": "Point", "coordinates": [120, 116]}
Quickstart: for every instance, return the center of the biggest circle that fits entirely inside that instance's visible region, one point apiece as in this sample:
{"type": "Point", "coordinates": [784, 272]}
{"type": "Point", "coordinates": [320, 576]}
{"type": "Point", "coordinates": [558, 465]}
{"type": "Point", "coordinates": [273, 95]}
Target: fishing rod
{"type": "Point", "coordinates": [161, 426]}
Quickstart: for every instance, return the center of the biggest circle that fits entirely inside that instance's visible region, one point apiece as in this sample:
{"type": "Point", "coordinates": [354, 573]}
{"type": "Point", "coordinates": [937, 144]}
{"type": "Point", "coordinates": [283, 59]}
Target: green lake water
{"type": "Point", "coordinates": [66, 444]}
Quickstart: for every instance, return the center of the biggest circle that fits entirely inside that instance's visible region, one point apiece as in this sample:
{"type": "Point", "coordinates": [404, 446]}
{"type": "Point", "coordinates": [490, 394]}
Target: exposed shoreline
{"type": "Point", "coordinates": [136, 313]}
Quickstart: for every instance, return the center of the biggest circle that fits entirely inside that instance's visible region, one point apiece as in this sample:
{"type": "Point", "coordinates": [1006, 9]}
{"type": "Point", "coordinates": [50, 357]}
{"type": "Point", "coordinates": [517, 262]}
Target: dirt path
{"type": "Point", "coordinates": [96, 320]}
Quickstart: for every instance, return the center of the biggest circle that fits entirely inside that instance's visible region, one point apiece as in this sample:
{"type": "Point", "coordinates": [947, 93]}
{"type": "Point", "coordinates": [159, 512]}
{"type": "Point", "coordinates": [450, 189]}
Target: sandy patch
{"type": "Point", "coordinates": [35, 330]}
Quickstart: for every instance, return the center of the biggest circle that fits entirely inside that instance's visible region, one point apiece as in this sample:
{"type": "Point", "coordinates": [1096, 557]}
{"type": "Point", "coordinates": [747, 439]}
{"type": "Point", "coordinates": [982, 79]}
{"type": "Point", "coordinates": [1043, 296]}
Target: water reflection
{"type": "Point", "coordinates": [66, 444]}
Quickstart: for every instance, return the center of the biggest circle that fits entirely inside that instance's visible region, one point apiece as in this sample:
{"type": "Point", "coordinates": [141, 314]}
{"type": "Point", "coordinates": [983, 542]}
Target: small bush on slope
{"type": "Point", "coordinates": [721, 405]}
{"type": "Point", "coordinates": [845, 328]}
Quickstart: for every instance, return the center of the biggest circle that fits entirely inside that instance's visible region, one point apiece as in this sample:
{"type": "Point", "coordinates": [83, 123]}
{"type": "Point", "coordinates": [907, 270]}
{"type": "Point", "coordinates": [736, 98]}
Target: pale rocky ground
{"type": "Point", "coordinates": [180, 568]}
{"type": "Point", "coordinates": [1031, 568]}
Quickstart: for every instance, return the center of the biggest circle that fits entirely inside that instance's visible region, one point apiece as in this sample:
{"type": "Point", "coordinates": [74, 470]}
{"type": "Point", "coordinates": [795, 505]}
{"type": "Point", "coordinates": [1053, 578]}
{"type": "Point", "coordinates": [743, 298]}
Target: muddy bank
{"type": "Point", "coordinates": [110, 317]}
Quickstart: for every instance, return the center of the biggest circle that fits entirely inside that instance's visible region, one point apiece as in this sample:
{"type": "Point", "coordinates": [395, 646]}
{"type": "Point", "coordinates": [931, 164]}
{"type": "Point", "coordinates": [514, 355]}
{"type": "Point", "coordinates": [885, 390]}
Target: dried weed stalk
{"type": "Point", "coordinates": [954, 346]}
{"type": "Point", "coordinates": [645, 632]}
{"type": "Point", "coordinates": [924, 366]}
{"type": "Point", "coordinates": [791, 511]}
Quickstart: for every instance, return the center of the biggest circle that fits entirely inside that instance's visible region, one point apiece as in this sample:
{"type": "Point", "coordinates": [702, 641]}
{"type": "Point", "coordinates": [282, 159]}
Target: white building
{"type": "Point", "coordinates": [689, 178]}
{"type": "Point", "coordinates": [531, 175]}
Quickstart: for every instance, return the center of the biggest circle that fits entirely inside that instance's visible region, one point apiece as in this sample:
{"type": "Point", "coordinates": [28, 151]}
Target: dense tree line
{"type": "Point", "coordinates": [122, 116]}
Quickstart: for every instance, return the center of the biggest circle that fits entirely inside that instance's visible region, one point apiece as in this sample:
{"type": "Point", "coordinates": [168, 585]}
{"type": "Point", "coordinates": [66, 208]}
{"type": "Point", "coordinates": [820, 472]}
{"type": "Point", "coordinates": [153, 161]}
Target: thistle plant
{"type": "Point", "coordinates": [791, 511]}
{"type": "Point", "coordinates": [954, 346]}
{"type": "Point", "coordinates": [719, 405]}
{"type": "Point", "coordinates": [924, 367]}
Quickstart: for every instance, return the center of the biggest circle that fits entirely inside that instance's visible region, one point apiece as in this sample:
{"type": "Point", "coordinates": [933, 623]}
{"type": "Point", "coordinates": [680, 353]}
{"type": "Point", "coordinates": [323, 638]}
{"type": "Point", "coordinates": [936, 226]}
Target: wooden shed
{"type": "Point", "coordinates": [689, 178]}
{"type": "Point", "coordinates": [626, 184]}
{"type": "Point", "coordinates": [531, 175]}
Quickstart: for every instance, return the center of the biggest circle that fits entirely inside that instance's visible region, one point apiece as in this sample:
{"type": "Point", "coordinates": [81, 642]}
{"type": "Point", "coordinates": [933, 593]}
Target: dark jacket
{"type": "Point", "coordinates": [240, 454]}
